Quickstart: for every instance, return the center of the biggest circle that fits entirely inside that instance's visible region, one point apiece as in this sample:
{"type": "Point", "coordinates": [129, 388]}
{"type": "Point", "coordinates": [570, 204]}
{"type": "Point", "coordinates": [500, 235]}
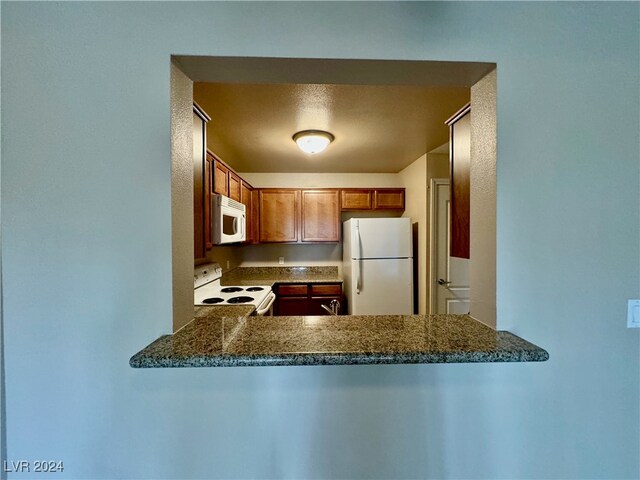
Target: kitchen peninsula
{"type": "Point", "coordinates": [212, 340]}
{"type": "Point", "coordinates": [224, 336]}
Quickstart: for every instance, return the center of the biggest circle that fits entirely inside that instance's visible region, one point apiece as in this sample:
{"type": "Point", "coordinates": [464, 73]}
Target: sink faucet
{"type": "Point", "coordinates": [333, 308]}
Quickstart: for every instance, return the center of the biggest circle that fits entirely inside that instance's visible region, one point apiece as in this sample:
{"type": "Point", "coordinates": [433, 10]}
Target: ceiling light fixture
{"type": "Point", "coordinates": [313, 141]}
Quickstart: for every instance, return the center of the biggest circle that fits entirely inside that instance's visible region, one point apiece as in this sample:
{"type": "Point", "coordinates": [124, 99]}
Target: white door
{"type": "Point", "coordinates": [381, 287]}
{"type": "Point", "coordinates": [449, 275]}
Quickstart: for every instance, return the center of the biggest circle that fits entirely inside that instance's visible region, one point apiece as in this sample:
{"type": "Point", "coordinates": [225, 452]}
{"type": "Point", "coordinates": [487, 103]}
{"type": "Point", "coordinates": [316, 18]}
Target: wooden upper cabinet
{"type": "Point", "coordinates": [225, 181]}
{"type": "Point", "coordinates": [460, 164]}
{"type": "Point", "coordinates": [208, 238]}
{"type": "Point", "coordinates": [234, 186]}
{"type": "Point", "coordinates": [279, 215]}
{"type": "Point", "coordinates": [220, 178]}
{"type": "Point", "coordinates": [255, 217]}
{"type": "Point", "coordinates": [372, 198]}
{"type": "Point", "coordinates": [246, 198]}
{"type": "Point", "coordinates": [201, 215]}
{"type": "Point", "coordinates": [389, 199]}
{"type": "Point", "coordinates": [353, 199]}
{"type": "Point", "coordinates": [320, 216]}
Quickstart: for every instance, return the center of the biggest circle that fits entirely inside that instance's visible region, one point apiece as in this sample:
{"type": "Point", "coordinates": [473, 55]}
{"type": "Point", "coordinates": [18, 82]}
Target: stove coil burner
{"type": "Point", "coordinates": [244, 299]}
{"type": "Point", "coordinates": [212, 300]}
{"type": "Point", "coordinates": [255, 289]}
{"type": "Point", "coordinates": [231, 289]}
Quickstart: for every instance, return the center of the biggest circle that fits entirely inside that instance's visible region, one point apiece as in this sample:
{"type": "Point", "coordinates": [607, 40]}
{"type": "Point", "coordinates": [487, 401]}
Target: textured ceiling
{"type": "Point", "coordinates": [377, 128]}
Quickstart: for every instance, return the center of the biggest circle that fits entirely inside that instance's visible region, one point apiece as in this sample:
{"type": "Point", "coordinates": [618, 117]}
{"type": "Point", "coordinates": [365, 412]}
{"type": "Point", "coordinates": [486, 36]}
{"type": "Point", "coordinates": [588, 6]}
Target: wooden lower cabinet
{"type": "Point", "coordinates": [306, 299]}
{"type": "Point", "coordinates": [315, 305]}
{"type": "Point", "coordinates": [294, 306]}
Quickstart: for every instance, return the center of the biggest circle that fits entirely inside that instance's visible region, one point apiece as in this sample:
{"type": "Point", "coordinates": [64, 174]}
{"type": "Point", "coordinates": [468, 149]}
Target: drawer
{"type": "Point", "coordinates": [333, 289]}
{"type": "Point", "coordinates": [293, 290]}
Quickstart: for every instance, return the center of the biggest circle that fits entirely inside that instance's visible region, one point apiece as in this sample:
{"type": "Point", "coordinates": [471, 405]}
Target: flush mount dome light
{"type": "Point", "coordinates": [313, 141]}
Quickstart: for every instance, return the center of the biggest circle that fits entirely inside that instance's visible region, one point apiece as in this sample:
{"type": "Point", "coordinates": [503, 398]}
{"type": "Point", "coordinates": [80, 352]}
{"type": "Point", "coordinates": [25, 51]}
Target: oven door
{"type": "Point", "coordinates": [229, 225]}
{"type": "Point", "coordinates": [266, 307]}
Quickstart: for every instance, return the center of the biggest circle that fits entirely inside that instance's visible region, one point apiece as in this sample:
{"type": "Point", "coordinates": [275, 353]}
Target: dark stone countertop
{"type": "Point", "coordinates": [271, 275]}
{"type": "Point", "coordinates": [223, 310]}
{"type": "Point", "coordinates": [214, 340]}
{"type": "Point", "coordinates": [268, 276]}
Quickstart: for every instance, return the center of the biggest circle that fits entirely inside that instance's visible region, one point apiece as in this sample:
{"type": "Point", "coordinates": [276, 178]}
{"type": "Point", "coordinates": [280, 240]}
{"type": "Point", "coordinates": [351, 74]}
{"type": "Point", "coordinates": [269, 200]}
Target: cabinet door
{"type": "Point", "coordinates": [292, 306]}
{"type": "Point", "coordinates": [460, 154]}
{"type": "Point", "coordinates": [320, 216]}
{"type": "Point", "coordinates": [199, 129]}
{"type": "Point", "coordinates": [246, 200]}
{"type": "Point", "coordinates": [293, 290]}
{"type": "Point", "coordinates": [389, 199]}
{"type": "Point", "coordinates": [234, 186]}
{"type": "Point", "coordinates": [220, 178]}
{"type": "Point", "coordinates": [329, 289]}
{"type": "Point", "coordinates": [353, 199]}
{"type": "Point", "coordinates": [279, 215]}
{"type": "Point", "coordinates": [255, 213]}
{"type": "Point", "coordinates": [315, 305]}
{"type": "Point", "coordinates": [208, 168]}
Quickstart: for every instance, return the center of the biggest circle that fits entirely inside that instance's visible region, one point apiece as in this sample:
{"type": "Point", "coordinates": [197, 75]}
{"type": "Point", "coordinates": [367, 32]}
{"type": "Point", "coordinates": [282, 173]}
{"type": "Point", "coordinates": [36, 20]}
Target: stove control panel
{"type": "Point", "coordinates": [203, 274]}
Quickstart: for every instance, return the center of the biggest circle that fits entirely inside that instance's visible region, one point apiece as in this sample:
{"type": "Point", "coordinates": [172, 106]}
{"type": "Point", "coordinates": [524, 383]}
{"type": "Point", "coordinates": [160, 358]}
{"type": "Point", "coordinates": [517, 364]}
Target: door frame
{"type": "Point", "coordinates": [433, 206]}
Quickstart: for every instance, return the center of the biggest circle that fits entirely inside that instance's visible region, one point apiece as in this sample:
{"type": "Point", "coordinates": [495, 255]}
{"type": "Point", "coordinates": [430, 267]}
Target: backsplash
{"type": "Point", "coordinates": [227, 256]}
{"type": "Point", "coordinates": [293, 255]}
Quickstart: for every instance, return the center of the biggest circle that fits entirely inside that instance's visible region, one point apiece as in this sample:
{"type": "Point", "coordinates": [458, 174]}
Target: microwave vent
{"type": "Point", "coordinates": [229, 202]}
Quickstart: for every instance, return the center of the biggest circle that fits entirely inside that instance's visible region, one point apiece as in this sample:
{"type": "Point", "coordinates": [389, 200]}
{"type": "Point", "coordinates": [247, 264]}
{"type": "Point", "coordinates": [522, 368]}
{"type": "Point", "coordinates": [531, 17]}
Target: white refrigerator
{"type": "Point", "coordinates": [377, 266]}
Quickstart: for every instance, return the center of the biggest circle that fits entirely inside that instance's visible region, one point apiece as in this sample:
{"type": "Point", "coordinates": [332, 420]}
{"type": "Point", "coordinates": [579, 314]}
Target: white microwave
{"type": "Point", "coordinates": [228, 220]}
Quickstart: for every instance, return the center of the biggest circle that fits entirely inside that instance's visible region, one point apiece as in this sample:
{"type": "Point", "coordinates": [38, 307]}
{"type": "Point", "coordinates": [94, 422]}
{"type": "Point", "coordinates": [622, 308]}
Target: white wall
{"type": "Point", "coordinates": [86, 203]}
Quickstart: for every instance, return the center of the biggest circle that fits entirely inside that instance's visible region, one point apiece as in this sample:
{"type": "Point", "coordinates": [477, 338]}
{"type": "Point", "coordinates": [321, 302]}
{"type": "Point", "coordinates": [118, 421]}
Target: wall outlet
{"type": "Point", "coordinates": [280, 260]}
{"type": "Point", "coordinates": [633, 313]}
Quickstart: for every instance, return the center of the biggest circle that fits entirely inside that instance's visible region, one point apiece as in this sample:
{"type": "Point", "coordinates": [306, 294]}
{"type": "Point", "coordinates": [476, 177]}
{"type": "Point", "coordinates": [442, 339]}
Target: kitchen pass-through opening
{"type": "Point", "coordinates": [315, 84]}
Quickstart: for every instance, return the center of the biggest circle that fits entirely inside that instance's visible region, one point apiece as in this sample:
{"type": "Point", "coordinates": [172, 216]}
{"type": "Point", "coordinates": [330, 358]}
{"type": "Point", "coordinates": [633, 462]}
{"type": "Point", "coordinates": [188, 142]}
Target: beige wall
{"type": "Point", "coordinates": [482, 268]}
{"type": "Point", "coordinates": [228, 256]}
{"type": "Point", "coordinates": [437, 167]}
{"type": "Point", "coordinates": [414, 180]}
{"type": "Point", "coordinates": [294, 255]}
{"type": "Point", "coordinates": [322, 180]}
{"type": "Point", "coordinates": [181, 196]}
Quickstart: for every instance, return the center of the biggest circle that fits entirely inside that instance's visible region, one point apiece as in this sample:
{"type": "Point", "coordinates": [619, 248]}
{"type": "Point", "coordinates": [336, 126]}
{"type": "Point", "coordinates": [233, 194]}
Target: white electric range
{"type": "Point", "coordinates": [208, 291]}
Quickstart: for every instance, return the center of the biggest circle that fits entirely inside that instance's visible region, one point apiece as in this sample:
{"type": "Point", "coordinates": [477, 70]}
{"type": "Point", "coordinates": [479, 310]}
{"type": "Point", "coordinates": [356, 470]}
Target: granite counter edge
{"type": "Point", "coordinates": [531, 354]}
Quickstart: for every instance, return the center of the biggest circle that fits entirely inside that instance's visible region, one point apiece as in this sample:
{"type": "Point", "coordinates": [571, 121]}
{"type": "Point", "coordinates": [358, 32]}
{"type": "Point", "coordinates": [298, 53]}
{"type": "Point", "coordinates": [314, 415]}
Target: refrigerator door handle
{"type": "Point", "coordinates": [359, 257]}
